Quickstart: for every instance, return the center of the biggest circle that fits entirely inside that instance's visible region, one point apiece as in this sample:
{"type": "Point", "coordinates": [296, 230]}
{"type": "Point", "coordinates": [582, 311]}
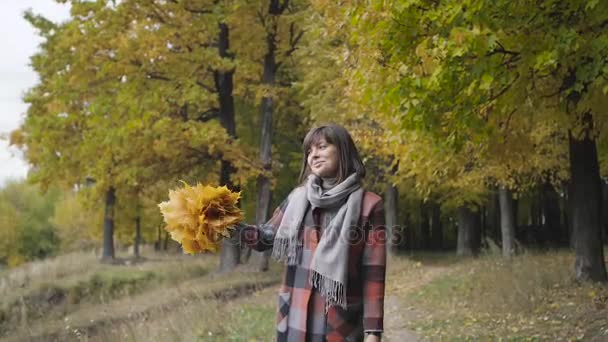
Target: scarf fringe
{"type": "Point", "coordinates": [331, 290]}
{"type": "Point", "coordinates": [288, 250]}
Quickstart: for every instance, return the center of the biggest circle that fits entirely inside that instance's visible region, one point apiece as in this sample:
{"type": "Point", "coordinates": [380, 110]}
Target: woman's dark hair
{"type": "Point", "coordinates": [349, 160]}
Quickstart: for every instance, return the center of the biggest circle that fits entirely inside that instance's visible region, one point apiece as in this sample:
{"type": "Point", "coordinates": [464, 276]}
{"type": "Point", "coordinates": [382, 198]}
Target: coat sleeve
{"type": "Point", "coordinates": [374, 271]}
{"type": "Point", "coordinates": [261, 237]}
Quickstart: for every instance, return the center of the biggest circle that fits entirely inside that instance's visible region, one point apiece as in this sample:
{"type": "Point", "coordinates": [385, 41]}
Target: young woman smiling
{"type": "Point", "coordinates": [331, 235]}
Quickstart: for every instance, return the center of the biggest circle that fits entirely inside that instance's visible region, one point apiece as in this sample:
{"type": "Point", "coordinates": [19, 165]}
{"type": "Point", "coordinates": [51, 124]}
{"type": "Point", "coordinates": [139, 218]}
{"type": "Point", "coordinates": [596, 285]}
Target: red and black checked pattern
{"type": "Point", "coordinates": [301, 309]}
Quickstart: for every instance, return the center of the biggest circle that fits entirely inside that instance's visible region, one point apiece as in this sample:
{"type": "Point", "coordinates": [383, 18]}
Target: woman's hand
{"type": "Point", "coordinates": [237, 228]}
{"type": "Point", "coordinates": [372, 338]}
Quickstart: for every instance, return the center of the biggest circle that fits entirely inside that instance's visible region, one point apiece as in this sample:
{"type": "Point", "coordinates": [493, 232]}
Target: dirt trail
{"type": "Point", "coordinates": [397, 312]}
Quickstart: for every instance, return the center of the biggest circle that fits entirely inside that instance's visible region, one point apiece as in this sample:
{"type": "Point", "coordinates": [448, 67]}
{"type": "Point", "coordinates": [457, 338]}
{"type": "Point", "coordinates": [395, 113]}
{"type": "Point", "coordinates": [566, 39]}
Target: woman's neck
{"type": "Point", "coordinates": [329, 182]}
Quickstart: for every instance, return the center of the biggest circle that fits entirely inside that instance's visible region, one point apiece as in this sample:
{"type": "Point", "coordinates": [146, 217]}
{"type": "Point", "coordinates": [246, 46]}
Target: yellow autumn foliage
{"type": "Point", "coordinates": [198, 217]}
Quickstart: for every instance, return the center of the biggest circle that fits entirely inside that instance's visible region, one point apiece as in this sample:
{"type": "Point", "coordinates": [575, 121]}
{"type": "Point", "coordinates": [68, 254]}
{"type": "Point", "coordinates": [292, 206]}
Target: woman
{"type": "Point", "coordinates": [331, 234]}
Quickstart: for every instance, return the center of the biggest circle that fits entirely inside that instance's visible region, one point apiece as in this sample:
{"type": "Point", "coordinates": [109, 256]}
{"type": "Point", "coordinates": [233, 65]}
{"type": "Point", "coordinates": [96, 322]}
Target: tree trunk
{"type": "Point", "coordinates": [534, 219]}
{"type": "Point", "coordinates": [483, 220]}
{"type": "Point", "coordinates": [425, 228]}
{"type": "Point", "coordinates": [166, 242]}
{"type": "Point", "coordinates": [493, 218]}
{"type": "Point", "coordinates": [586, 205]}
{"type": "Point", "coordinates": [468, 232]}
{"type": "Point", "coordinates": [137, 241]}
{"type": "Point", "coordinates": [507, 222]}
{"type": "Point", "coordinates": [551, 213]}
{"type": "Point", "coordinates": [436, 229]}
{"type": "Point", "coordinates": [605, 210]}
{"type": "Point", "coordinates": [540, 235]}
{"type": "Point", "coordinates": [568, 214]}
{"type": "Point", "coordinates": [411, 234]}
{"type": "Point", "coordinates": [264, 196]}
{"type": "Point", "coordinates": [230, 252]}
{"type": "Point", "coordinates": [390, 213]}
{"type": "Point", "coordinates": [108, 226]}
{"type": "Point", "coordinates": [497, 232]}
{"type": "Point", "coordinates": [158, 238]}
{"type": "Point", "coordinates": [266, 109]}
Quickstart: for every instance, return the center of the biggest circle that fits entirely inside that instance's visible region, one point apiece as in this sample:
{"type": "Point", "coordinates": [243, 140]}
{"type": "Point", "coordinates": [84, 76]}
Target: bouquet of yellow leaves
{"type": "Point", "coordinates": [198, 217]}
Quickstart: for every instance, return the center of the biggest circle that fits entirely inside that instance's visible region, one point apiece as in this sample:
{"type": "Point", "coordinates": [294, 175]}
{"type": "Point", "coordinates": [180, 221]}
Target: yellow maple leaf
{"type": "Point", "coordinates": [199, 217]}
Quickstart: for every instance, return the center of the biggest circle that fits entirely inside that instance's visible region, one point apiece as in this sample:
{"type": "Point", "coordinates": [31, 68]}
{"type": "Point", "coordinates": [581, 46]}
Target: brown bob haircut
{"type": "Point", "coordinates": [349, 160]}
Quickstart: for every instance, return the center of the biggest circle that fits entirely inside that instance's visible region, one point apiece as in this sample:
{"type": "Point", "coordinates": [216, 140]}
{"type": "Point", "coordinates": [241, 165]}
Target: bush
{"type": "Point", "coordinates": [26, 232]}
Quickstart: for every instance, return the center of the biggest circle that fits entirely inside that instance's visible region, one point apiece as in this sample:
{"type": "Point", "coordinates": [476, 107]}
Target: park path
{"type": "Point", "coordinates": [397, 311]}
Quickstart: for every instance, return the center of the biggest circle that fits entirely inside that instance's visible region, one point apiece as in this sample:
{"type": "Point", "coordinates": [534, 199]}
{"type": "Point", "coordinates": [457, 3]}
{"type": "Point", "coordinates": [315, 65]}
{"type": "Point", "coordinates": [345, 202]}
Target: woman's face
{"type": "Point", "coordinates": [323, 159]}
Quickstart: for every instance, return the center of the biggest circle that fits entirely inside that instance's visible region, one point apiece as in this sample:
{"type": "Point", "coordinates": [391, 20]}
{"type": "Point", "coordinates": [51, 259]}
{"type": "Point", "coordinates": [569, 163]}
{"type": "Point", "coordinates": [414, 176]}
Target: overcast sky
{"type": "Point", "coordinates": [18, 41]}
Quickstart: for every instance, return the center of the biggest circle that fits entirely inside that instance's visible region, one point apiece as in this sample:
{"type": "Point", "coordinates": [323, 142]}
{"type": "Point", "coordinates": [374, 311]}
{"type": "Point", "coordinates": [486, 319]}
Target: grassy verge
{"type": "Point", "coordinates": [439, 297]}
{"type": "Point", "coordinates": [532, 297]}
{"type": "Point", "coordinates": [248, 319]}
{"type": "Point", "coordinates": [60, 288]}
{"type": "Point", "coordinates": [186, 307]}
{"type": "Point", "coordinates": [217, 307]}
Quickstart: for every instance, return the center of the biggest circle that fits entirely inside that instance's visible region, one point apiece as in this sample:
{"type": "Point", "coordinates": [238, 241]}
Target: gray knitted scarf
{"type": "Point", "coordinates": [329, 265]}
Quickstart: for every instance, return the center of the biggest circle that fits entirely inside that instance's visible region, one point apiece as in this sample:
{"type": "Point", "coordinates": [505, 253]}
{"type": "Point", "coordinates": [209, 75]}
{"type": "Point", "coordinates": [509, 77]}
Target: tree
{"type": "Point", "coordinates": [507, 222]}
{"type": "Point", "coordinates": [468, 231]}
{"type": "Point", "coordinates": [459, 73]}
{"type": "Point", "coordinates": [391, 197]}
{"type": "Point", "coordinates": [500, 59]}
{"type": "Point", "coordinates": [76, 224]}
{"type": "Point", "coordinates": [131, 116]}
{"type": "Point", "coordinates": [27, 233]}
{"type": "Point", "coordinates": [274, 24]}
{"type": "Point", "coordinates": [436, 226]}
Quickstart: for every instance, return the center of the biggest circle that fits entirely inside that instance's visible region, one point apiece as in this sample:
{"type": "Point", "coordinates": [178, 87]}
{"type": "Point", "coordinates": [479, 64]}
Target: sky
{"type": "Point", "coordinates": [18, 41]}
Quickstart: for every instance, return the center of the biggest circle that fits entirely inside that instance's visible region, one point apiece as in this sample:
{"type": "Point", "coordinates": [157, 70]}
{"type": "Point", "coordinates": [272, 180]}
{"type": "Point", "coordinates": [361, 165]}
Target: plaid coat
{"type": "Point", "coordinates": [301, 309]}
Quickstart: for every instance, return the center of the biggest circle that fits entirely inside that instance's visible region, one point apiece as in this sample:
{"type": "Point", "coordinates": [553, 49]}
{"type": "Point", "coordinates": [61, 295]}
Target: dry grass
{"type": "Point", "coordinates": [56, 287]}
{"type": "Point", "coordinates": [162, 298]}
{"type": "Point", "coordinates": [534, 296]}
{"type": "Point", "coordinates": [76, 265]}
{"type": "Point", "coordinates": [249, 317]}
{"type": "Point", "coordinates": [28, 274]}
{"type": "Point", "coordinates": [438, 296]}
